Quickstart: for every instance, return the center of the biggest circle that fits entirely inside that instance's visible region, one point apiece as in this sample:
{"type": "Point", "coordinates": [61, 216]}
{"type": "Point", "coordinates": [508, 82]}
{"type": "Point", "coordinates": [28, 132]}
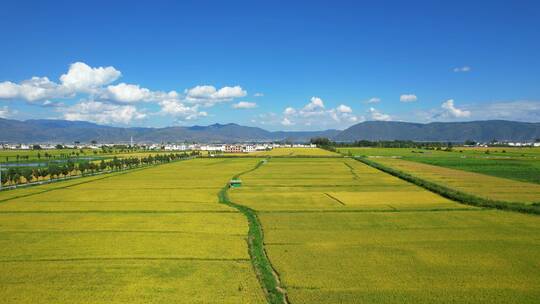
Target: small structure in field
{"type": "Point", "coordinates": [235, 183]}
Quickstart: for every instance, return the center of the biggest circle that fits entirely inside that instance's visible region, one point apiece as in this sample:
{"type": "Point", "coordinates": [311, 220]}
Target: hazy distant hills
{"type": "Point", "coordinates": [482, 131]}
{"type": "Point", "coordinates": [62, 131]}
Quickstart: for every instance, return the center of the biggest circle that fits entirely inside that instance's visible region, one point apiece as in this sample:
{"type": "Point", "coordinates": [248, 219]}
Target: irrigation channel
{"type": "Point", "coordinates": [267, 275]}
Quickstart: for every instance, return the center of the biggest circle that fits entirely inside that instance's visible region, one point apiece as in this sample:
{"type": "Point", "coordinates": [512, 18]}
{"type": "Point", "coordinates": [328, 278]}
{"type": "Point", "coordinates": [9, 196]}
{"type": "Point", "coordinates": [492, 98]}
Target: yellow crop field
{"type": "Point", "coordinates": [335, 231]}
{"type": "Point", "coordinates": [339, 231]}
{"type": "Point", "coordinates": [478, 184]}
{"type": "Point", "coordinates": [406, 257]}
{"type": "Point", "coordinates": [156, 235]}
{"type": "Point", "coordinates": [330, 184]}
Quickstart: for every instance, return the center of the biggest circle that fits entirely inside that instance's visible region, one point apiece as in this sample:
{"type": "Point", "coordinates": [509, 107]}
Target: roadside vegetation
{"type": "Point", "coordinates": [14, 176]}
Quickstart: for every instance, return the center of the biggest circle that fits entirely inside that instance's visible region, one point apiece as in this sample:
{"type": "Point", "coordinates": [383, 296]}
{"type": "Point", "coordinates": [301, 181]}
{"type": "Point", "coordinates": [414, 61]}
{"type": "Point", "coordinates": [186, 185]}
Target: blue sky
{"type": "Point", "coordinates": [274, 64]}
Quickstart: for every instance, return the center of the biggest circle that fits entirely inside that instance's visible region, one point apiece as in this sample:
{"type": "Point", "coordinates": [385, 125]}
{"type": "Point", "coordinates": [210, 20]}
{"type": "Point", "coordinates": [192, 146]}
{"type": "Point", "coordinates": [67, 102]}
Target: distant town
{"type": "Point", "coordinates": [218, 148]}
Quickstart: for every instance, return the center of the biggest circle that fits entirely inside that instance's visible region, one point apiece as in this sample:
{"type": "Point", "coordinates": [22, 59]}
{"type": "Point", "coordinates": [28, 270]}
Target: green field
{"type": "Point", "coordinates": [482, 185]}
{"type": "Point", "coordinates": [335, 231]}
{"type": "Point", "coordinates": [522, 164]}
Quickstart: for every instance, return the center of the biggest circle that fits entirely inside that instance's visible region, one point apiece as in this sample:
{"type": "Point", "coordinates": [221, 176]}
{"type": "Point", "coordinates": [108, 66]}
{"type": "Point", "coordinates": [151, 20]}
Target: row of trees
{"type": "Point", "coordinates": [14, 175]}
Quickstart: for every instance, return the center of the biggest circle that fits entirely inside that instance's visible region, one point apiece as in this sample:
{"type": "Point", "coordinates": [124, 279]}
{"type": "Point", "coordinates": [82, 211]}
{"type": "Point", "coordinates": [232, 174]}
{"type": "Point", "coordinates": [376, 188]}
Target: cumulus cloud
{"type": "Point", "coordinates": [258, 94]}
{"type": "Point", "coordinates": [289, 111]}
{"type": "Point", "coordinates": [377, 115]}
{"type": "Point", "coordinates": [102, 113]}
{"type": "Point", "coordinates": [373, 100]}
{"type": "Point", "coordinates": [408, 98]}
{"type": "Point", "coordinates": [208, 95]}
{"type": "Point", "coordinates": [80, 78]}
{"type": "Point", "coordinates": [344, 109]}
{"type": "Point", "coordinates": [83, 78]}
{"type": "Point", "coordinates": [315, 113]}
{"type": "Point", "coordinates": [286, 122]}
{"type": "Point", "coordinates": [4, 112]}
{"type": "Point", "coordinates": [102, 99]}
{"type": "Point", "coordinates": [463, 69]}
{"type": "Point", "coordinates": [315, 104]}
{"type": "Point", "coordinates": [452, 111]}
{"type": "Point", "coordinates": [179, 110]}
{"type": "Point", "coordinates": [33, 89]}
{"type": "Point", "coordinates": [126, 93]}
{"type": "Point", "coordinates": [244, 105]}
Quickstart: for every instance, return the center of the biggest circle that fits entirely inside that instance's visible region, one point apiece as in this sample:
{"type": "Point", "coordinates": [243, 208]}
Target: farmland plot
{"type": "Point", "coordinates": [157, 235]}
{"type": "Point", "coordinates": [338, 231]}
{"type": "Point", "coordinates": [469, 182]}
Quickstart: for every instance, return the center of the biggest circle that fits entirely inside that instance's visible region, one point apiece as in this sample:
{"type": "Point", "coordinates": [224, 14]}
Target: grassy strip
{"type": "Point", "coordinates": [265, 272]}
{"type": "Point", "coordinates": [453, 194]}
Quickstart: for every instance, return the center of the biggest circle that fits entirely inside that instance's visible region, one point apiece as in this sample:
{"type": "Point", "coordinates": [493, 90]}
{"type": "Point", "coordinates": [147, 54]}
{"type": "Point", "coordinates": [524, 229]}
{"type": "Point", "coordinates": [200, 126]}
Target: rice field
{"type": "Point", "coordinates": [338, 231]}
{"type": "Point", "coordinates": [335, 231]}
{"type": "Point", "coordinates": [156, 235]}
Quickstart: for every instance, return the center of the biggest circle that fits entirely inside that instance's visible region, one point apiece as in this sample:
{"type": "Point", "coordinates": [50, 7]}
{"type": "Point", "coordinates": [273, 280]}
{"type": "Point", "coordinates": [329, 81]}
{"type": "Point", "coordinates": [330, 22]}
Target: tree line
{"type": "Point", "coordinates": [14, 175]}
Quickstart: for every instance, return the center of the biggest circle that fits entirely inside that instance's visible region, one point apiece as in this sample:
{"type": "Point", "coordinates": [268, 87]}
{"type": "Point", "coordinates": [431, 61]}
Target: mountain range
{"type": "Point", "coordinates": [63, 131]}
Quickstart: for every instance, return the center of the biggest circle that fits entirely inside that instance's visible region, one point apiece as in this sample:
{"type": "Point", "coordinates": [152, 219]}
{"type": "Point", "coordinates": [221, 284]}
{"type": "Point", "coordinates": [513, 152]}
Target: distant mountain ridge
{"type": "Point", "coordinates": [63, 131]}
{"type": "Point", "coordinates": [482, 131]}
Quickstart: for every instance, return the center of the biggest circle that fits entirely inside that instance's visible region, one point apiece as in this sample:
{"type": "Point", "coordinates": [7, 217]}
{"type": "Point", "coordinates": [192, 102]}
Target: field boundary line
{"type": "Point", "coordinates": [375, 210]}
{"type": "Point", "coordinates": [453, 194]}
{"type": "Point", "coordinates": [267, 275]}
{"type": "Point", "coordinates": [127, 258]}
{"type": "Point", "coordinates": [352, 170]}
{"type": "Point", "coordinates": [335, 199]}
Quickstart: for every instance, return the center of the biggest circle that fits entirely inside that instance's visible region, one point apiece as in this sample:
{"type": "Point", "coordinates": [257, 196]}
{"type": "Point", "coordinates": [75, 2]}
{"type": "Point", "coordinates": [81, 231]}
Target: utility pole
{"type": "Point", "coordinates": [0, 176]}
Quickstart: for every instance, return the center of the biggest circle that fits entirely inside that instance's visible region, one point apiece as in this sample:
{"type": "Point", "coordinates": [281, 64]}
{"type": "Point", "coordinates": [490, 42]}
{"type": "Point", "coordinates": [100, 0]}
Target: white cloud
{"type": "Point", "coordinates": [9, 90]}
{"type": "Point", "coordinates": [33, 89]}
{"type": "Point", "coordinates": [51, 104]}
{"type": "Point", "coordinates": [286, 122]}
{"type": "Point", "coordinates": [289, 111]}
{"type": "Point", "coordinates": [258, 94]}
{"type": "Point", "coordinates": [179, 110]}
{"type": "Point", "coordinates": [377, 115]}
{"type": "Point", "coordinates": [315, 104]}
{"type": "Point", "coordinates": [463, 69]}
{"type": "Point", "coordinates": [83, 78]}
{"type": "Point", "coordinates": [344, 109]}
{"type": "Point", "coordinates": [315, 114]}
{"type": "Point", "coordinates": [79, 78]}
{"type": "Point", "coordinates": [102, 113]}
{"type": "Point", "coordinates": [208, 95]}
{"type": "Point", "coordinates": [408, 98]}
{"type": "Point", "coordinates": [126, 93]}
{"type": "Point", "coordinates": [374, 100]}
{"type": "Point", "coordinates": [451, 110]}
{"type": "Point", "coordinates": [244, 105]}
{"type": "Point", "coordinates": [95, 84]}
{"type": "Point", "coordinates": [4, 112]}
